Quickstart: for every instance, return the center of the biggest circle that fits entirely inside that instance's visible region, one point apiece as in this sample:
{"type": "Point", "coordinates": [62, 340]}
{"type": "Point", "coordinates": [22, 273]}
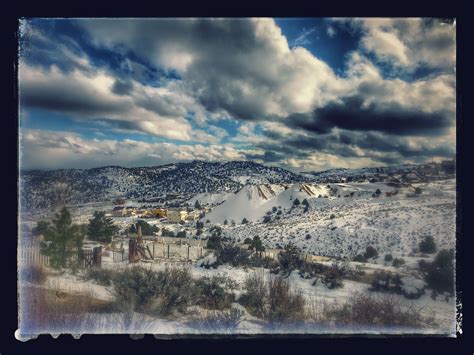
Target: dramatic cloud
{"type": "Point", "coordinates": [410, 43]}
{"type": "Point", "coordinates": [163, 90]}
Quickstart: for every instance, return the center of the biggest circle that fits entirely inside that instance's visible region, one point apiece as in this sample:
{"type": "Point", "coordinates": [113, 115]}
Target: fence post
{"type": "Point", "coordinates": [168, 251]}
{"type": "Point", "coordinates": [188, 252]}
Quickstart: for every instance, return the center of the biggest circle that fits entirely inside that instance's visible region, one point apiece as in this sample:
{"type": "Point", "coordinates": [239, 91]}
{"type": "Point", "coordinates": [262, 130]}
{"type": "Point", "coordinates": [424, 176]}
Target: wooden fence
{"type": "Point", "coordinates": [29, 254]}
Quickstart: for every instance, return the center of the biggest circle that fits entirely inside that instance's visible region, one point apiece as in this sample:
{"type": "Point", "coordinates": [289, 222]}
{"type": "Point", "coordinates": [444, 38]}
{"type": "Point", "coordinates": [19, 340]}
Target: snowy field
{"type": "Point", "coordinates": [338, 221]}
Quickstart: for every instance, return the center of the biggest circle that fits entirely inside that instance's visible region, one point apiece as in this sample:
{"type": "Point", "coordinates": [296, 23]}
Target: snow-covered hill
{"type": "Point", "coordinates": [43, 189]}
{"type": "Point", "coordinates": [348, 220]}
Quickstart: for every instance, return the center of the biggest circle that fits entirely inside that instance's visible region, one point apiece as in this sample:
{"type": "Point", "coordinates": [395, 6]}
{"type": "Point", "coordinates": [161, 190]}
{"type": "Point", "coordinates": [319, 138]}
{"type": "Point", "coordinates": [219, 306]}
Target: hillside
{"type": "Point", "coordinates": [44, 189]}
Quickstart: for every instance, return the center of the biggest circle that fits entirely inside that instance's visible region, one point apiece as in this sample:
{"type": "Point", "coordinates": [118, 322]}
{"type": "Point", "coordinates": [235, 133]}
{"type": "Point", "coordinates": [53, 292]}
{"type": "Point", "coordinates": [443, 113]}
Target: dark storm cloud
{"type": "Point", "coordinates": [122, 87]}
{"type": "Point", "coordinates": [350, 113]}
{"type": "Point", "coordinates": [67, 97]}
{"type": "Point", "coordinates": [270, 156]}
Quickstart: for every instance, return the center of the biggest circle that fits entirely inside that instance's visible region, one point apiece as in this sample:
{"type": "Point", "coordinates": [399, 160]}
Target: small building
{"type": "Point", "coordinates": [119, 211]}
{"type": "Point", "coordinates": [175, 216]}
{"type": "Point", "coordinates": [159, 212]}
{"type": "Point", "coordinates": [193, 215]}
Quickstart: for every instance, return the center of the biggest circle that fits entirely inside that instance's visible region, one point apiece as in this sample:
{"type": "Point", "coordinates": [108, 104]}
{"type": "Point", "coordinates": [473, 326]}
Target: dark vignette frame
{"type": "Point", "coordinates": [333, 344]}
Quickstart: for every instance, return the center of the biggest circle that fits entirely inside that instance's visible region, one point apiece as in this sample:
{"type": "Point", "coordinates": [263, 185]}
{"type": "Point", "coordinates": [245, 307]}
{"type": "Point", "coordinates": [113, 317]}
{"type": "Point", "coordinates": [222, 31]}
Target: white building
{"type": "Point", "coordinates": [177, 216]}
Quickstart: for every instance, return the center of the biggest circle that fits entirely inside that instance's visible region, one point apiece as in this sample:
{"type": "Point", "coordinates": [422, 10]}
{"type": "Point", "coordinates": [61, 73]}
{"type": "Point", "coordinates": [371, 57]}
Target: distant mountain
{"type": "Point", "coordinates": [339, 173]}
{"type": "Point", "coordinates": [44, 189]}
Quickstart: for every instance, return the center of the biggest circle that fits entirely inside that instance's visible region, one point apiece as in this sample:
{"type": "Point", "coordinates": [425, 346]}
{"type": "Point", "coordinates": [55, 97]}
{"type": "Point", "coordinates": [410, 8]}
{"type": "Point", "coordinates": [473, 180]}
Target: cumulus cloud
{"type": "Point", "coordinates": [42, 149]}
{"type": "Point", "coordinates": [409, 42]}
{"type": "Point", "coordinates": [292, 109]}
{"type": "Point", "coordinates": [242, 66]}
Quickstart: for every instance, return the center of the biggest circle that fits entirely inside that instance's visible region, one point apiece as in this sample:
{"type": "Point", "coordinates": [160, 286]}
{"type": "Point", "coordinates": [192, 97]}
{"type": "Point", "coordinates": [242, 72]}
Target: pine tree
{"type": "Point", "coordinates": [101, 228]}
{"type": "Point", "coordinates": [41, 228]}
{"type": "Point", "coordinates": [197, 205]}
{"type": "Point", "coordinates": [62, 240]}
{"type": "Point", "coordinates": [256, 244]}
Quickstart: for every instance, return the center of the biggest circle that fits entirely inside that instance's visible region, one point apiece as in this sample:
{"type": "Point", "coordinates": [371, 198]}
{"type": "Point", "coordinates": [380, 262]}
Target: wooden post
{"type": "Point", "coordinates": [168, 251]}
{"type": "Point", "coordinates": [153, 250]}
{"type": "Point", "coordinates": [188, 252]}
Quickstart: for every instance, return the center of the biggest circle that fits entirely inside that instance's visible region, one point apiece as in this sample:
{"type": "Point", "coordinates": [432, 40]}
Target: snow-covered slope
{"type": "Point", "coordinates": [43, 189]}
{"type": "Point", "coordinates": [344, 225]}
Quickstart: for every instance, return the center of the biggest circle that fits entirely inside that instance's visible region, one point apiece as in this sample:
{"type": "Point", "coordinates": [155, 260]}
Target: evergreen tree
{"type": "Point", "coordinates": [256, 244]}
{"type": "Point", "coordinates": [41, 228]}
{"type": "Point", "coordinates": [62, 240]}
{"type": "Point", "coordinates": [245, 221]}
{"type": "Point", "coordinates": [296, 202]}
{"type": "Point", "coordinates": [101, 228]}
{"type": "Point", "coordinates": [197, 205]}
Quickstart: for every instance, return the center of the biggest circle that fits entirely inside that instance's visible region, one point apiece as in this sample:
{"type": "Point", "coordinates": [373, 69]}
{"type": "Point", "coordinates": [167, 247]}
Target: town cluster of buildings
{"type": "Point", "coordinates": [173, 215]}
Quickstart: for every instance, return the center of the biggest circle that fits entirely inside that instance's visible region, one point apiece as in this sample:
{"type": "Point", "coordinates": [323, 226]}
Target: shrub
{"type": "Point", "coordinates": [370, 252]}
{"type": "Point", "coordinates": [181, 234]}
{"type": "Point", "coordinates": [364, 309]}
{"type": "Point", "coordinates": [255, 294]}
{"type": "Point", "coordinates": [34, 274]}
{"type": "Point", "coordinates": [256, 244]}
{"type": "Point", "coordinates": [428, 245]}
{"type": "Point", "coordinates": [296, 202]}
{"type": "Point", "coordinates": [440, 273]}
{"type": "Point", "coordinates": [378, 192]}
{"type": "Point", "coordinates": [398, 262]}
{"type": "Point", "coordinates": [232, 254]}
{"type": "Point", "coordinates": [308, 237]}
{"type": "Point", "coordinates": [220, 320]}
{"type": "Point", "coordinates": [386, 282]}
{"type": "Point", "coordinates": [305, 202]}
{"type": "Point", "coordinates": [156, 293]}
{"type": "Point", "coordinates": [332, 216]}
{"type": "Point", "coordinates": [213, 291]}
{"type": "Point", "coordinates": [267, 219]}
{"type": "Point", "coordinates": [247, 240]}
{"type": "Point", "coordinates": [359, 258]}
{"type": "Point", "coordinates": [290, 258]}
{"type": "Point", "coordinates": [245, 221]}
{"type": "Point", "coordinates": [279, 213]}
{"type": "Point", "coordinates": [332, 276]}
{"type": "Point", "coordinates": [283, 305]}
{"type": "Point", "coordinates": [388, 257]}
{"type": "Point", "coordinates": [214, 242]}
{"type": "Point", "coordinates": [274, 209]}
{"type": "Point", "coordinates": [100, 276]}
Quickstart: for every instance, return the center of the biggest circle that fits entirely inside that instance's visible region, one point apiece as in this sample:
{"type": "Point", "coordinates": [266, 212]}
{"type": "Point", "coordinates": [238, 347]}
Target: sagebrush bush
{"type": "Point", "coordinates": [34, 274]}
{"type": "Point", "coordinates": [101, 276]}
{"type": "Point", "coordinates": [143, 290]}
{"type": "Point", "coordinates": [290, 257]}
{"type": "Point", "coordinates": [272, 299]}
{"type": "Point", "coordinates": [397, 262]}
{"type": "Point", "coordinates": [283, 304]}
{"type": "Point", "coordinates": [386, 282]}
{"type": "Point", "coordinates": [382, 310]}
{"type": "Point", "coordinates": [256, 293]}
{"type": "Point", "coordinates": [332, 276]}
{"type": "Point", "coordinates": [214, 291]}
{"type": "Point", "coordinates": [219, 321]}
{"type": "Point", "coordinates": [232, 254]}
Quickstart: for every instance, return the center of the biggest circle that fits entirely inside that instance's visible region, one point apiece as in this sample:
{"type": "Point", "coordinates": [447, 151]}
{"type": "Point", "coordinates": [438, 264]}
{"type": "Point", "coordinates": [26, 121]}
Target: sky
{"type": "Point", "coordinates": [305, 94]}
